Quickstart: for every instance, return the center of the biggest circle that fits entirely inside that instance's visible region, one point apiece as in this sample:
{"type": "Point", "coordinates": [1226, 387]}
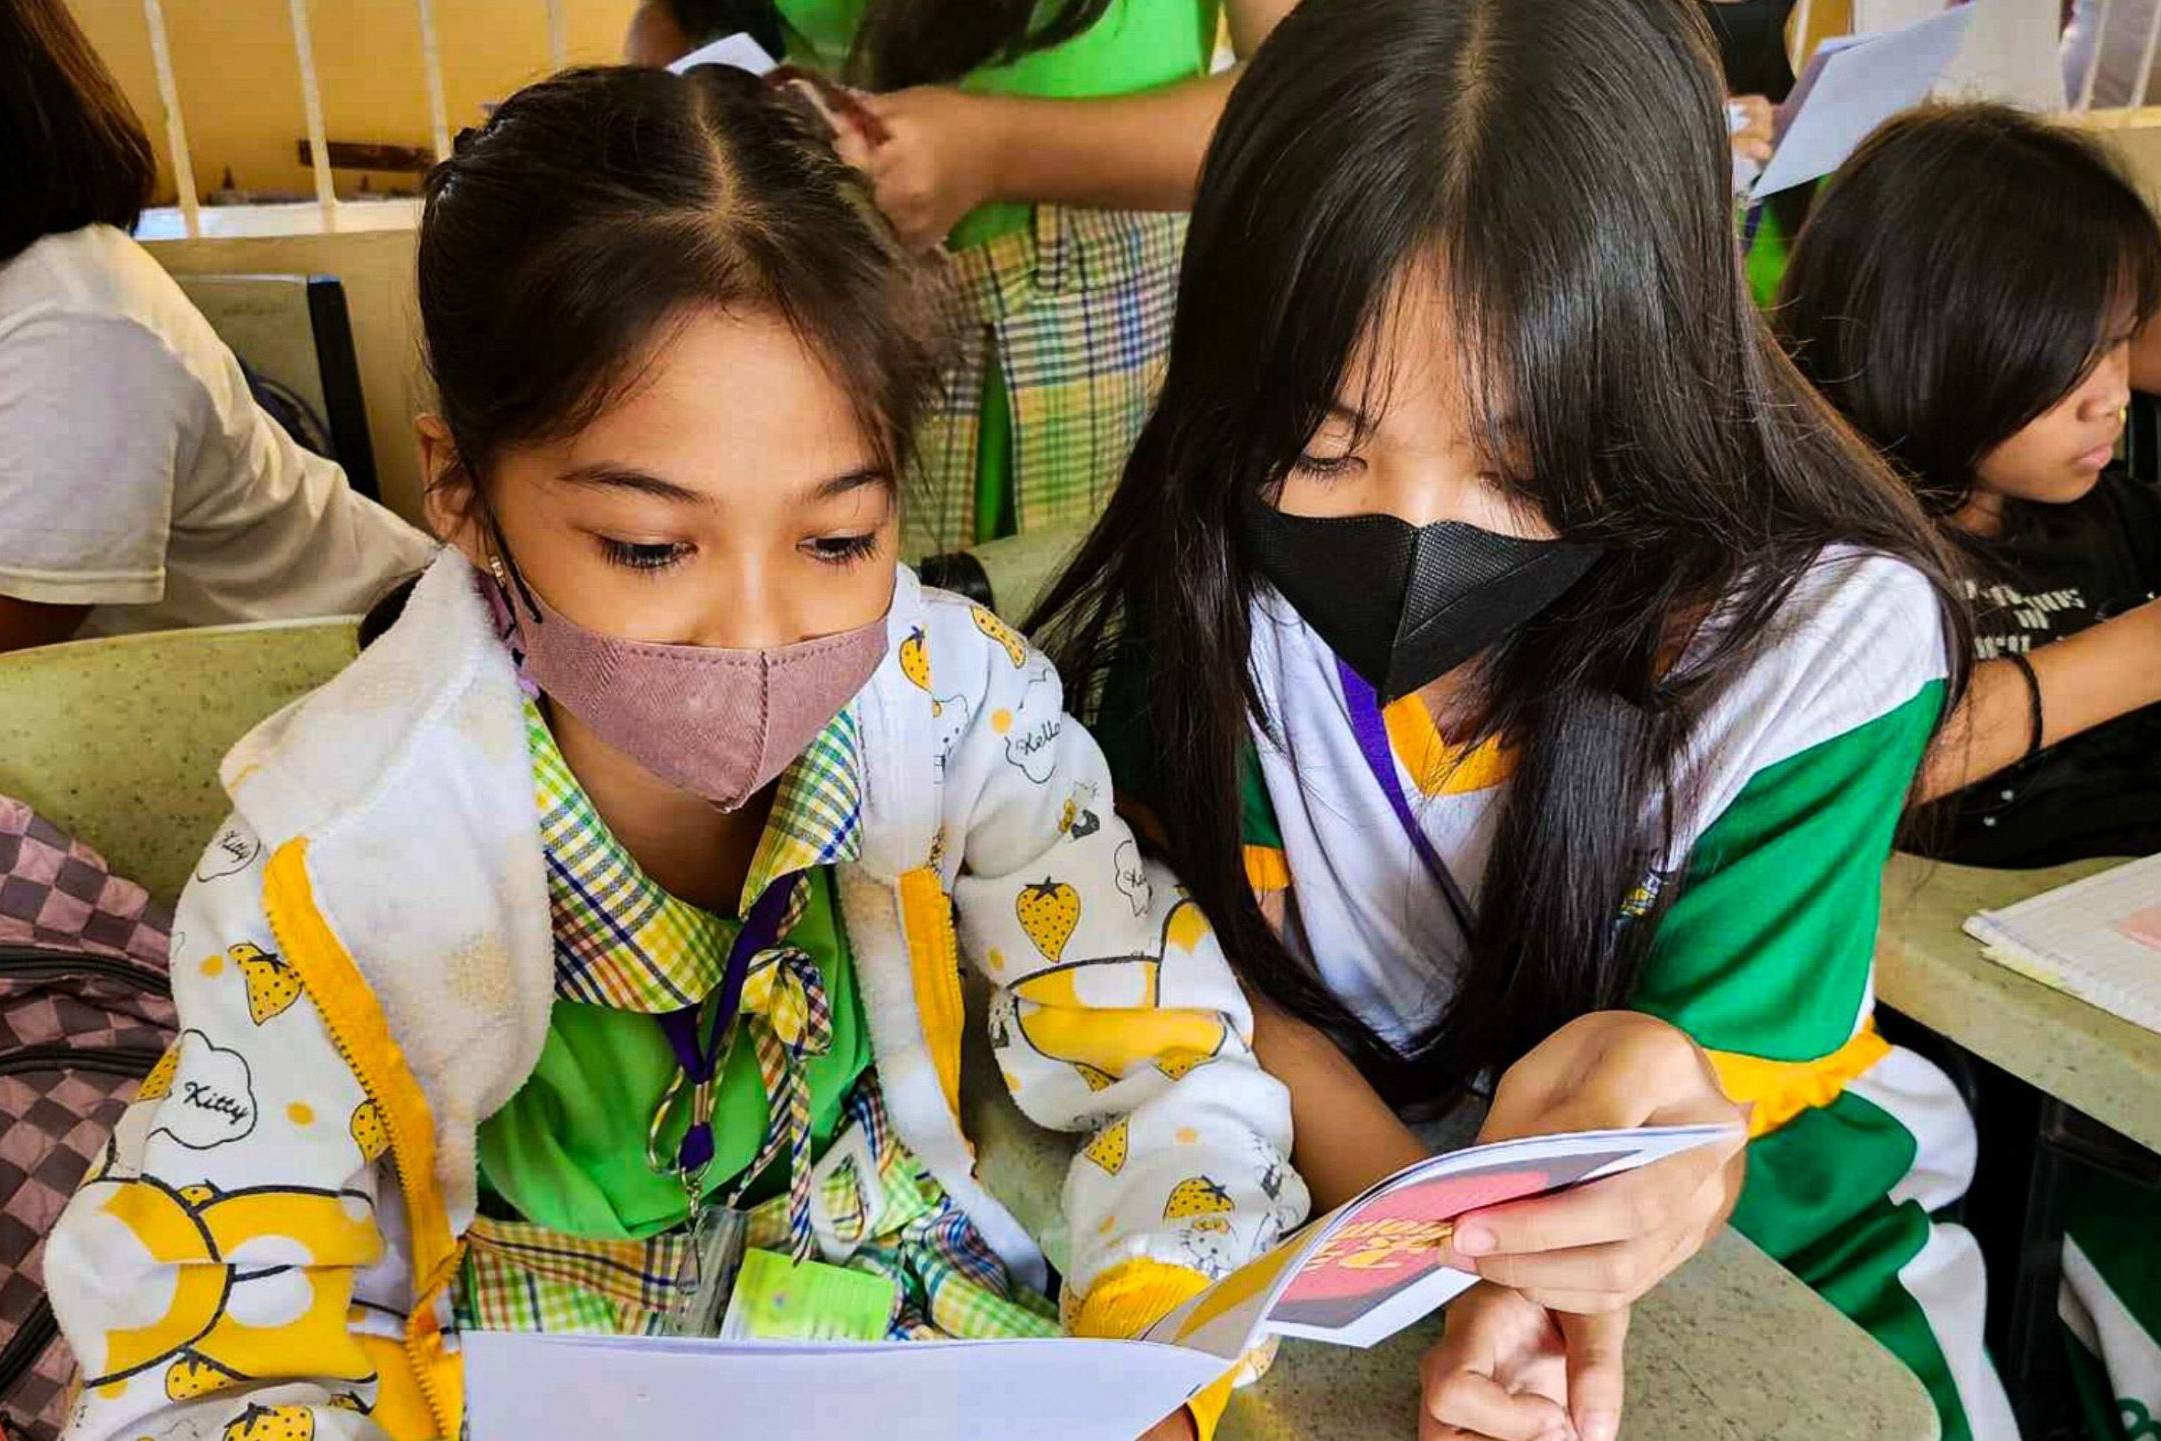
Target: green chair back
{"type": "Point", "coordinates": [118, 741]}
{"type": "Point", "coordinates": [1021, 567]}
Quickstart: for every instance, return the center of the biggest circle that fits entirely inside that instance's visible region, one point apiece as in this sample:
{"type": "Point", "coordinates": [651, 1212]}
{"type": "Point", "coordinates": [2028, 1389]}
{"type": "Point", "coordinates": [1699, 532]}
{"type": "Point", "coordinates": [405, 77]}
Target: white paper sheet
{"type": "Point", "coordinates": [1871, 16]}
{"type": "Point", "coordinates": [1369, 1268]}
{"type": "Point", "coordinates": [575, 1388]}
{"type": "Point", "coordinates": [740, 51]}
{"type": "Point", "coordinates": [1355, 1277]}
{"type": "Point", "coordinates": [1848, 92]}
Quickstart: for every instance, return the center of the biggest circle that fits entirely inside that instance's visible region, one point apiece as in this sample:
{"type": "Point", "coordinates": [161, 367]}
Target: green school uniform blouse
{"type": "Point", "coordinates": [570, 1150]}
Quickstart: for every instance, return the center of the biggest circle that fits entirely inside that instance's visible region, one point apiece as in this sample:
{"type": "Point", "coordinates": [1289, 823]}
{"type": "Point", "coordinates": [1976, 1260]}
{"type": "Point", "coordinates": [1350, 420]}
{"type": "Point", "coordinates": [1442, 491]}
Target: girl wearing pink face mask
{"type": "Point", "coordinates": [618, 891]}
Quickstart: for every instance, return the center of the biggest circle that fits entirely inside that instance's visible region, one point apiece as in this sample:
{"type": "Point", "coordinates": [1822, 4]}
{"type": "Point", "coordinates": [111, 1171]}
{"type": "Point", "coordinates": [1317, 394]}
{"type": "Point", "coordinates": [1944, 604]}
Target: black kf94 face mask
{"type": "Point", "coordinates": [1405, 604]}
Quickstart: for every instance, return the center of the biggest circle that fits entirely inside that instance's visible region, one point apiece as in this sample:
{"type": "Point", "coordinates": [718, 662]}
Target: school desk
{"type": "Point", "coordinates": [1730, 1348]}
{"type": "Point", "coordinates": [1930, 969]}
{"type": "Point", "coordinates": [2087, 1065]}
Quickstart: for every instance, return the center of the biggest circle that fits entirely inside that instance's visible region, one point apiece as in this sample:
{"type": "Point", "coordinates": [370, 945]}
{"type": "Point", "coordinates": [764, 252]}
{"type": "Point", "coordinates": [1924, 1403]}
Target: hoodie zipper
{"type": "Point", "coordinates": [422, 1374]}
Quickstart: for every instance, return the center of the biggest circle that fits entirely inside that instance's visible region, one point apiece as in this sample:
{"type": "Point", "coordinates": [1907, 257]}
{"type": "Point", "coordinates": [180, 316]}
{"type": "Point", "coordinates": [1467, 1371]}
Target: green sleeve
{"type": "Point", "coordinates": [1768, 948]}
{"type": "Point", "coordinates": [1256, 812]}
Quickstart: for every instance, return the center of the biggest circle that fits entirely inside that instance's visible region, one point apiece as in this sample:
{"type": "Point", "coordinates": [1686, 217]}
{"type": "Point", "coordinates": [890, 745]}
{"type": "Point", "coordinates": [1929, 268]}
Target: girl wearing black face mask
{"type": "Point", "coordinates": [1517, 657]}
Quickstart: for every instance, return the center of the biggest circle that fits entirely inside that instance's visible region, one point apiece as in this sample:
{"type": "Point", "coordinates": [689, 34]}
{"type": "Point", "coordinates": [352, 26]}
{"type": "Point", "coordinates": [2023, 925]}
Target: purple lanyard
{"type": "Point", "coordinates": [701, 1061]}
{"type": "Point", "coordinates": [1371, 732]}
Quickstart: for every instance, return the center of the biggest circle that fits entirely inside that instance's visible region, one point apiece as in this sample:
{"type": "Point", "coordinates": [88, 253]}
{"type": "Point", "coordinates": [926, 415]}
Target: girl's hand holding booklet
{"type": "Point", "coordinates": [1354, 1277]}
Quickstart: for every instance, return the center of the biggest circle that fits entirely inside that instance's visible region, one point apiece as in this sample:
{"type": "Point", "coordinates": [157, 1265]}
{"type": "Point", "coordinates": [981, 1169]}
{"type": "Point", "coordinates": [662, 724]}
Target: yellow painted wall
{"type": "Point", "coordinates": [2135, 136]}
{"type": "Point", "coordinates": [239, 81]}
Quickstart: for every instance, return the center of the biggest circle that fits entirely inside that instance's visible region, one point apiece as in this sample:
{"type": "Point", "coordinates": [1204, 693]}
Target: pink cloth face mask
{"type": "Point", "coordinates": [719, 723]}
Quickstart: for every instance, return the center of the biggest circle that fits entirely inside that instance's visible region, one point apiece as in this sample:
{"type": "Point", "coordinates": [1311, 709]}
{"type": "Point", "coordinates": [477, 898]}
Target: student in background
{"type": "Point", "coordinates": [1755, 50]}
{"type": "Point", "coordinates": [141, 486]}
{"type": "Point", "coordinates": [1499, 631]}
{"type": "Point", "coordinates": [1048, 147]}
{"type": "Point", "coordinates": [664, 749]}
{"type": "Point", "coordinates": [1967, 291]}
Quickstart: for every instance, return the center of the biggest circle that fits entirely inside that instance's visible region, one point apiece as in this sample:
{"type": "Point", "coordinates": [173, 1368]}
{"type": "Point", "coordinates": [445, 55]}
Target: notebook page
{"type": "Point", "coordinates": [2098, 939]}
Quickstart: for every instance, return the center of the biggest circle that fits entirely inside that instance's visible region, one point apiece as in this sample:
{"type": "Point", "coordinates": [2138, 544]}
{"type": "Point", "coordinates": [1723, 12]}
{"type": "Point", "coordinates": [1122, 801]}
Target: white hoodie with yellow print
{"type": "Point", "coordinates": [363, 969]}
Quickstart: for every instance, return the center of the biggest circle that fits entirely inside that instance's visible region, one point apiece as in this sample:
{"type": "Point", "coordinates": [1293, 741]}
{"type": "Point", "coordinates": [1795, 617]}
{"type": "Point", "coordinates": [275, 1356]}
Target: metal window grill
{"type": "Point", "coordinates": [311, 99]}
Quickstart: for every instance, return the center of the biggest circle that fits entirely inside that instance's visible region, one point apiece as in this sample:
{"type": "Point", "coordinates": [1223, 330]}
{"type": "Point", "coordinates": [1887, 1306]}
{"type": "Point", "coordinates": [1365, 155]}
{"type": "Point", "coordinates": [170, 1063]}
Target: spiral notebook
{"type": "Point", "coordinates": [2098, 939]}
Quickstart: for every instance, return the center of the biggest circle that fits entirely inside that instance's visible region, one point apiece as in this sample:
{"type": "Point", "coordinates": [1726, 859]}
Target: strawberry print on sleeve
{"type": "Point", "coordinates": [1113, 1013]}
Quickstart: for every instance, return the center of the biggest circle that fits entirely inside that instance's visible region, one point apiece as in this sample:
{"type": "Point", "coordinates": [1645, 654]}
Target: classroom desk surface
{"type": "Point", "coordinates": [1933, 971]}
{"type": "Point", "coordinates": [1730, 1348]}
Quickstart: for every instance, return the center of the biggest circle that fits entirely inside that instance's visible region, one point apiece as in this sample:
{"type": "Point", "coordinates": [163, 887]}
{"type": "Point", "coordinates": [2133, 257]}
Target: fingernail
{"type": "Point", "coordinates": [1473, 1240]}
{"type": "Point", "coordinates": [1601, 1426]}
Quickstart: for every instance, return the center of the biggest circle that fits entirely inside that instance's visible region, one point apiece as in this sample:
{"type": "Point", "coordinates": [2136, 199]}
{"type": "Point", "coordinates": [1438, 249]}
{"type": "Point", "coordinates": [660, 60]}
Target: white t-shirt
{"type": "Point", "coordinates": [138, 475]}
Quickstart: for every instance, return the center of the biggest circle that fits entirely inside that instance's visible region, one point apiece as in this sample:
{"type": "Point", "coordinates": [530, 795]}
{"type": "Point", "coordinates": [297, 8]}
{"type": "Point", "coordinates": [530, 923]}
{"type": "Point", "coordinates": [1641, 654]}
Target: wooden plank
{"type": "Point", "coordinates": [359, 155]}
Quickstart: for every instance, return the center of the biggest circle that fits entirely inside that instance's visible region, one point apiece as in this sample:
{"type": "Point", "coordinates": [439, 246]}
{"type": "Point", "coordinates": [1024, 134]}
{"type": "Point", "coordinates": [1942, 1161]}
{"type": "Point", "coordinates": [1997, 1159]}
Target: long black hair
{"type": "Point", "coordinates": [72, 152]}
{"type": "Point", "coordinates": [1563, 169]}
{"type": "Point", "coordinates": [1963, 271]}
{"type": "Point", "coordinates": [912, 42]}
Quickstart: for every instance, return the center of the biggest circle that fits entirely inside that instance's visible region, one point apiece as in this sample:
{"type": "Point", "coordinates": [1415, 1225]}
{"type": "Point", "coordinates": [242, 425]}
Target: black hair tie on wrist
{"type": "Point", "coordinates": [2033, 701]}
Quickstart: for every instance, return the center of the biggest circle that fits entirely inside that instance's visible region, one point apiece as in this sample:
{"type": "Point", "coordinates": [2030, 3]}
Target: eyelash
{"type": "Point", "coordinates": [834, 550]}
{"type": "Point", "coordinates": [843, 550]}
{"type": "Point", "coordinates": [1328, 466]}
{"type": "Point", "coordinates": [632, 556]}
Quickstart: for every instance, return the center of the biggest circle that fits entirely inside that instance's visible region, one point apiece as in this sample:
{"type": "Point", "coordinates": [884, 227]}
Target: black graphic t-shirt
{"type": "Point", "coordinates": [2060, 569]}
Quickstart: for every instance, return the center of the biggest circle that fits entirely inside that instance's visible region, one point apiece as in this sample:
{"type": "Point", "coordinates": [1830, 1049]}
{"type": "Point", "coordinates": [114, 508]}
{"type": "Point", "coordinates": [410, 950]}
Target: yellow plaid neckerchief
{"type": "Point", "coordinates": [622, 940]}
{"type": "Point", "coordinates": [790, 1020]}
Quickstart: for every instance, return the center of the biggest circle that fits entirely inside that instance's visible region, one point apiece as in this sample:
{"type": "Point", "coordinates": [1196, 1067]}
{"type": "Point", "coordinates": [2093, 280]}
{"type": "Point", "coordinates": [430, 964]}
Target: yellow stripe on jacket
{"type": "Point", "coordinates": [357, 1026]}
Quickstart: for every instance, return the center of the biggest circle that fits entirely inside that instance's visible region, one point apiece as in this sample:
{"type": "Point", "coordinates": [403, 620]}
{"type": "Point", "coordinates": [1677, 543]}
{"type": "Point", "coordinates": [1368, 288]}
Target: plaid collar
{"type": "Point", "coordinates": [620, 939]}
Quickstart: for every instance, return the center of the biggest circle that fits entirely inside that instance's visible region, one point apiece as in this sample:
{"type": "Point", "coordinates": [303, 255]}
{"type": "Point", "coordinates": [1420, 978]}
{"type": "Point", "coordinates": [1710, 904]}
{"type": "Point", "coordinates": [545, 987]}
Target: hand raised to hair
{"type": "Point", "coordinates": [937, 162]}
